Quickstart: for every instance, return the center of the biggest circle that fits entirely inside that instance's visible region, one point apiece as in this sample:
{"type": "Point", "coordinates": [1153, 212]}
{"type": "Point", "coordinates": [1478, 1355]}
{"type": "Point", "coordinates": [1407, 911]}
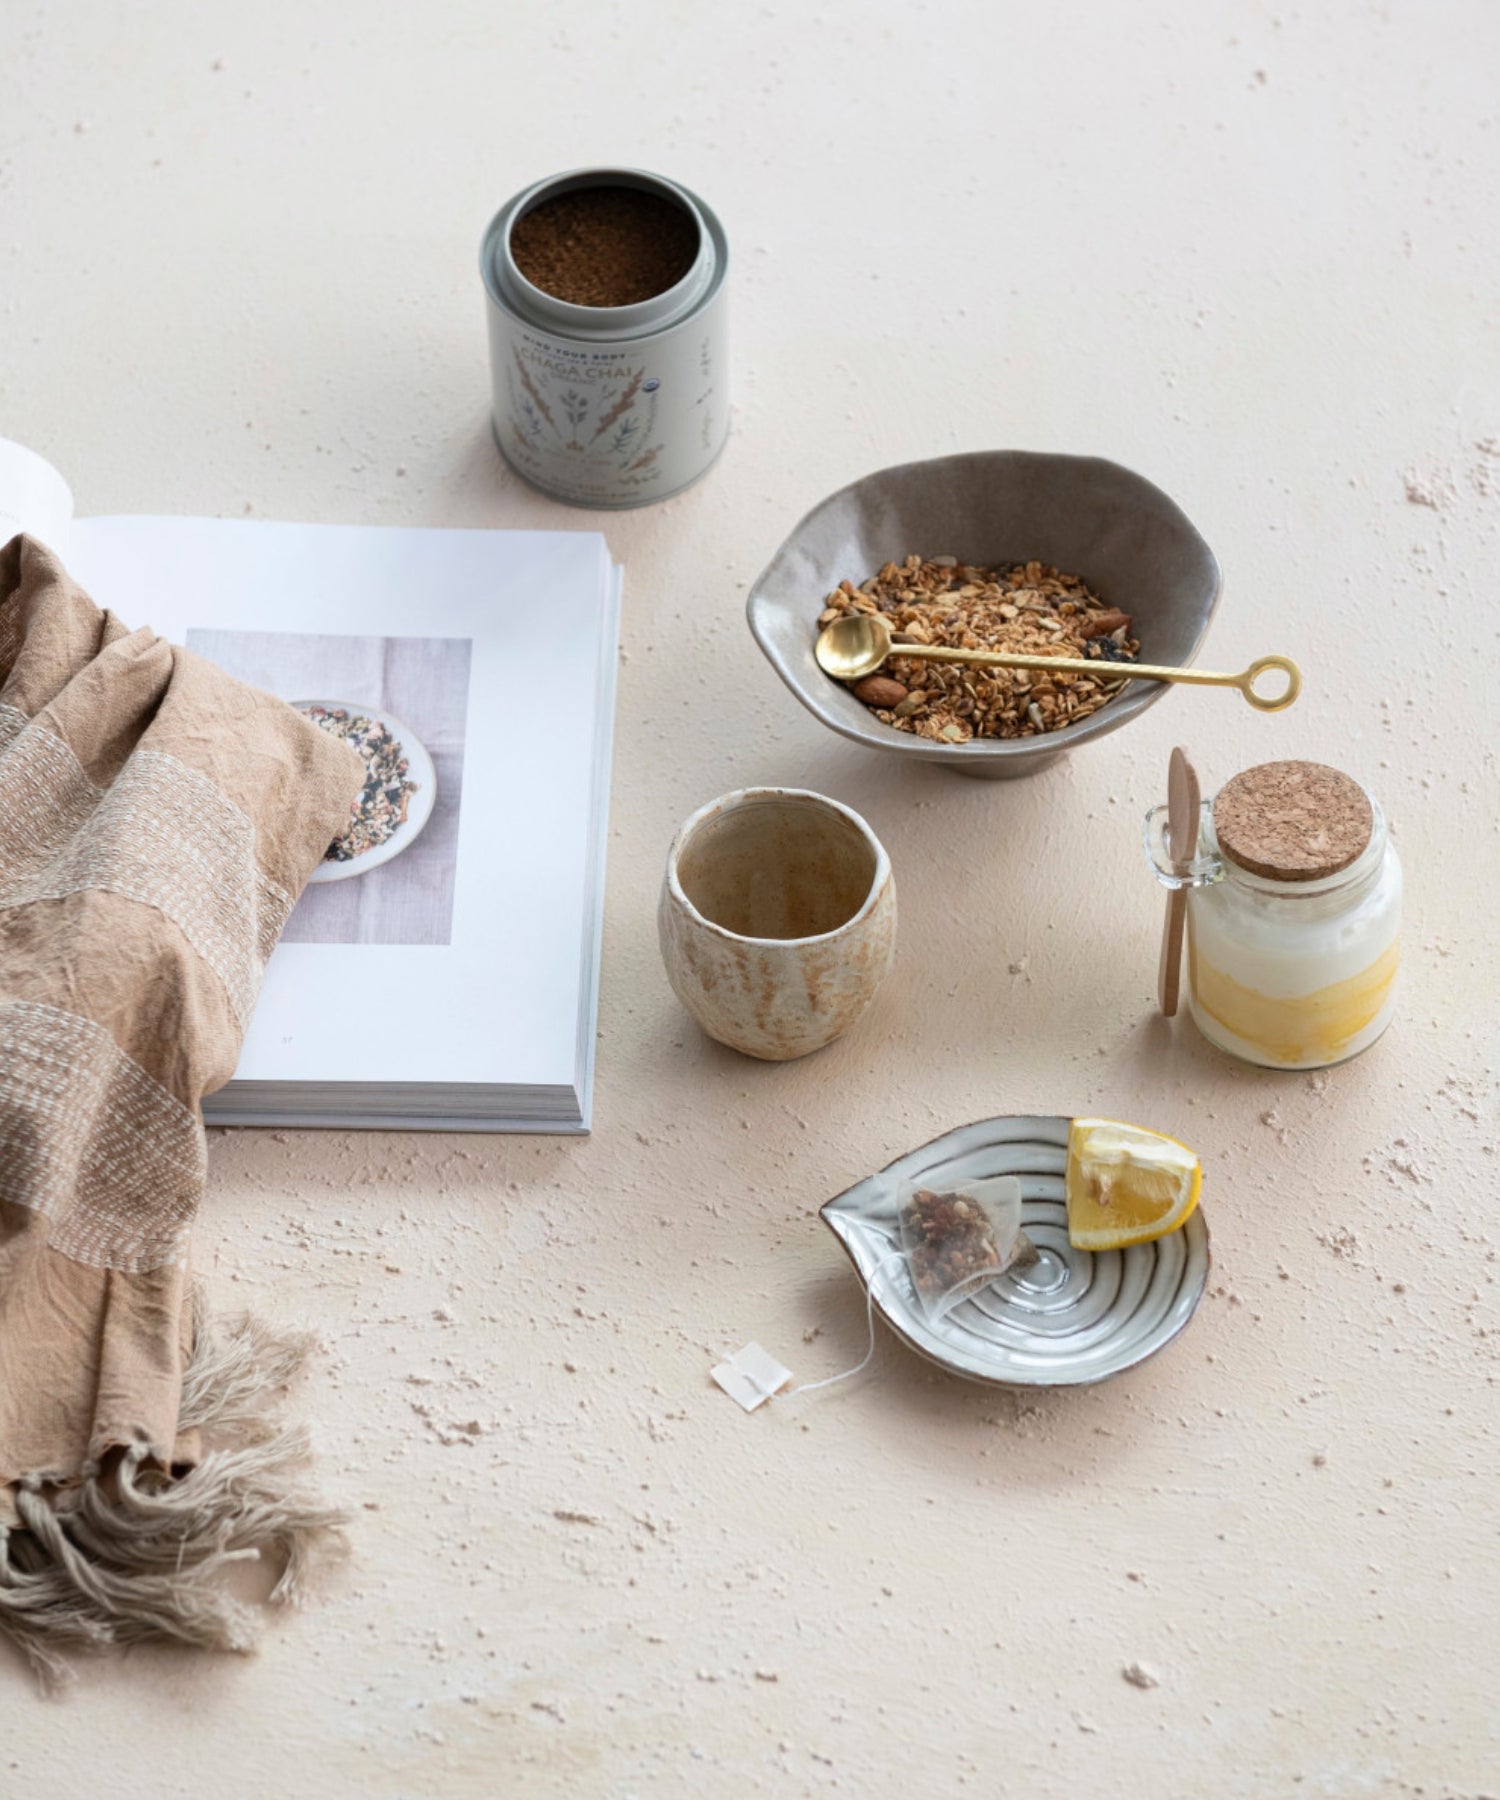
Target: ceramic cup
{"type": "Point", "coordinates": [777, 919]}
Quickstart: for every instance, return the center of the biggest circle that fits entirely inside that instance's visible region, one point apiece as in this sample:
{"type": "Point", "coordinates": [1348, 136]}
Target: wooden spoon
{"type": "Point", "coordinates": [1182, 844]}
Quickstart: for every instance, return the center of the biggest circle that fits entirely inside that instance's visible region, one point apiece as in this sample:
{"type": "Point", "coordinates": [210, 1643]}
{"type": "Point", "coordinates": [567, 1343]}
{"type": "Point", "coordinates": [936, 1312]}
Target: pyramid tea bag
{"type": "Point", "coordinates": [955, 1239]}
{"type": "Point", "coordinates": [958, 1239]}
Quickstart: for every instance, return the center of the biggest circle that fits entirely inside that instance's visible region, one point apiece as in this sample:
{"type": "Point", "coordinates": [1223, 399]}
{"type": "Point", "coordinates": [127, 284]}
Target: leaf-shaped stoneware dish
{"type": "Point", "coordinates": [1073, 1317]}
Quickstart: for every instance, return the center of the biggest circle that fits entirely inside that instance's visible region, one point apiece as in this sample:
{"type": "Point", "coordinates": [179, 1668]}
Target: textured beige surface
{"type": "Point", "coordinates": [1248, 251]}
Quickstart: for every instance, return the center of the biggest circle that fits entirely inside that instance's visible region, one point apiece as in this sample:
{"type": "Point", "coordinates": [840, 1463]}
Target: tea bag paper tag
{"type": "Point", "coordinates": [751, 1376]}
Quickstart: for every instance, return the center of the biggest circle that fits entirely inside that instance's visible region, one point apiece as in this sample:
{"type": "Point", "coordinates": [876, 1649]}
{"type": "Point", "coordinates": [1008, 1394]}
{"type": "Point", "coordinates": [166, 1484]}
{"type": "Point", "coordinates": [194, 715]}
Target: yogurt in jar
{"type": "Point", "coordinates": [1293, 918]}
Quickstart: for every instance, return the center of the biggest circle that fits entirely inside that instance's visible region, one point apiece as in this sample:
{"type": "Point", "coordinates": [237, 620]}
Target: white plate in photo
{"type": "Point", "coordinates": [419, 769]}
{"type": "Point", "coordinates": [1073, 1317]}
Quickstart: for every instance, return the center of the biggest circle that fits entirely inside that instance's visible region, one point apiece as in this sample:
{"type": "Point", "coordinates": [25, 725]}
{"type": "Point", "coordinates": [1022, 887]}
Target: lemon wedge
{"type": "Point", "coordinates": [1126, 1185]}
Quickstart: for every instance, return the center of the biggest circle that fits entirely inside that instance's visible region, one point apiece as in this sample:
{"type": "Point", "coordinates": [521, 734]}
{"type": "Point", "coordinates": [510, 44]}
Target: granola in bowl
{"type": "Point", "coordinates": [1027, 608]}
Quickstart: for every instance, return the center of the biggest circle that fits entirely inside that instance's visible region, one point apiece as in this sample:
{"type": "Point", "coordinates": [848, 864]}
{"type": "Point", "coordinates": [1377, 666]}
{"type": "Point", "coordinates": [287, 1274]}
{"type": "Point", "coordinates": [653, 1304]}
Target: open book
{"type": "Point", "coordinates": [442, 970]}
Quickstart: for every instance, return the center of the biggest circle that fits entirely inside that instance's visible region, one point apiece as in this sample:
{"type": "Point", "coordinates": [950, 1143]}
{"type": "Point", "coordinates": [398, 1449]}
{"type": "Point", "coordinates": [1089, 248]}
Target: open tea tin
{"type": "Point", "coordinates": [608, 406]}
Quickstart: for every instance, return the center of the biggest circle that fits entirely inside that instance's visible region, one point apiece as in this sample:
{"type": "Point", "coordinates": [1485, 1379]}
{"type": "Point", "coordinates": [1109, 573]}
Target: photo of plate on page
{"type": "Point", "coordinates": [441, 970]}
{"type": "Point", "coordinates": [397, 798]}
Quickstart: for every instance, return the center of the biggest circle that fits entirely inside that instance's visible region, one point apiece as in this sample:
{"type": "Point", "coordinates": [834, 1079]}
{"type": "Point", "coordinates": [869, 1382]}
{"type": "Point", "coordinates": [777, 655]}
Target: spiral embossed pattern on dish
{"type": "Point", "coordinates": [1071, 1318]}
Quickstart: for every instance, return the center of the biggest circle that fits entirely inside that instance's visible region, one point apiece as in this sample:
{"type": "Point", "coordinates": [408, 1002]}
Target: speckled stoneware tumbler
{"type": "Point", "coordinates": [777, 920]}
{"type": "Point", "coordinates": [609, 406]}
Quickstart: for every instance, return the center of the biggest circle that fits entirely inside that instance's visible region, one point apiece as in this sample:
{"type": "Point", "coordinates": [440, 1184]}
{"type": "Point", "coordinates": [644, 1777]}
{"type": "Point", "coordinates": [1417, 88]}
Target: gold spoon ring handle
{"type": "Point", "coordinates": [1271, 702]}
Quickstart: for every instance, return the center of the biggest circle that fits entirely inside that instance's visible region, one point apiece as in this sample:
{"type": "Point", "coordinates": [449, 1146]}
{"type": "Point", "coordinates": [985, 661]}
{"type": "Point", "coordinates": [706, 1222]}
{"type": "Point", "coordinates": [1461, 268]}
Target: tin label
{"type": "Point", "coordinates": [583, 418]}
{"type": "Point", "coordinates": [610, 423]}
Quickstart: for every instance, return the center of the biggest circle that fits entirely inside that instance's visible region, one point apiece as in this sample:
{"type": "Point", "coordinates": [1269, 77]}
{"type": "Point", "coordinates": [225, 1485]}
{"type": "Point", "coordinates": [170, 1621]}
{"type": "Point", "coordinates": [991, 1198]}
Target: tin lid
{"type": "Point", "coordinates": [1293, 821]}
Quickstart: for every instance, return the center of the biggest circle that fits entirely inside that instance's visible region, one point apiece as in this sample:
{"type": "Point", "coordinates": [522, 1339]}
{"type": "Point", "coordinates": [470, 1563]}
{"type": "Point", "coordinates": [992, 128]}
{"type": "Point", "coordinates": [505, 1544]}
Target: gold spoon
{"type": "Point", "coordinates": [856, 645]}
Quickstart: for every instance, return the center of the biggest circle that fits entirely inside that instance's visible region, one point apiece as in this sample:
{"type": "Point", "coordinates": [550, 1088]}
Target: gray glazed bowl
{"type": "Point", "coordinates": [1133, 545]}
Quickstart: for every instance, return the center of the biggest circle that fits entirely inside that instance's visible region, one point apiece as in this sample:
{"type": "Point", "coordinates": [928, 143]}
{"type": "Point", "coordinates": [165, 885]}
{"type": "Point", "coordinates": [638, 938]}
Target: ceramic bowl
{"type": "Point", "coordinates": [1134, 546]}
{"type": "Point", "coordinates": [777, 920]}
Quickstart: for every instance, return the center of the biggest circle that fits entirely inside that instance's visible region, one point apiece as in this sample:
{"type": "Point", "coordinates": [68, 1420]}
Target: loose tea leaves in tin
{"type": "Point", "coordinates": [604, 246]}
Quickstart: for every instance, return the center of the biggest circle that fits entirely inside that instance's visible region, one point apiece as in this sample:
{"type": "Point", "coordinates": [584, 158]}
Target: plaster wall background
{"type": "Point", "coordinates": [1246, 248]}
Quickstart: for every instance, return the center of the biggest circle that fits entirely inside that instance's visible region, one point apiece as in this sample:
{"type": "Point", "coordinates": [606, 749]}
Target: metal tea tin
{"type": "Point", "coordinates": [609, 406]}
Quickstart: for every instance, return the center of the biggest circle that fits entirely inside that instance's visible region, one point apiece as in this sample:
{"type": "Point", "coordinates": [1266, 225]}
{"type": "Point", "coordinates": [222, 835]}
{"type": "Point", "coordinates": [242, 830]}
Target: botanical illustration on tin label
{"type": "Point", "coordinates": [599, 413]}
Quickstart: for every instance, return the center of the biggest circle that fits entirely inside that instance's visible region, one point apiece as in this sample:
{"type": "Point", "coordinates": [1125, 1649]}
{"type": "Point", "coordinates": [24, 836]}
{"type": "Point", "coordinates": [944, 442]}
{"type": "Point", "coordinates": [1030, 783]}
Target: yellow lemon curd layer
{"type": "Point", "coordinates": [1307, 1028]}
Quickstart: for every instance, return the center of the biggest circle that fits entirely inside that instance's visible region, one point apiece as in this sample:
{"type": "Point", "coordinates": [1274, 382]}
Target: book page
{"type": "Point", "coordinates": [464, 958]}
{"type": "Point", "coordinates": [34, 498]}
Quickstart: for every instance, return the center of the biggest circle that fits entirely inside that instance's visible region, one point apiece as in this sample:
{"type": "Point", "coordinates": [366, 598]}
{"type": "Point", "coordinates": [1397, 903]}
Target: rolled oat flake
{"type": "Point", "coordinates": [605, 292]}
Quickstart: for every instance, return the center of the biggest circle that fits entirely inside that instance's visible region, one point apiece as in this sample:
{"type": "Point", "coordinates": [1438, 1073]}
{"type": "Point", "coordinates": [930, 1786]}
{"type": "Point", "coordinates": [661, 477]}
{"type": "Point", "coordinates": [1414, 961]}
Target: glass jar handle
{"type": "Point", "coordinates": [1206, 866]}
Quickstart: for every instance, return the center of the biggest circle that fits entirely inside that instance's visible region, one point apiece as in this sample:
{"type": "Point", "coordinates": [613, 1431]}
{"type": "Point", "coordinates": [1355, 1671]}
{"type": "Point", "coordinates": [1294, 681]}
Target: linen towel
{"type": "Point", "coordinates": [158, 819]}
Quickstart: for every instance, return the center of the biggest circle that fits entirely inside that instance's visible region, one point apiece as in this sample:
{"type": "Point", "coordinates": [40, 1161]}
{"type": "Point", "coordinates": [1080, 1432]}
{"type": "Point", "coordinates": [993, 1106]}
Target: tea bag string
{"type": "Point", "coordinates": [808, 1387]}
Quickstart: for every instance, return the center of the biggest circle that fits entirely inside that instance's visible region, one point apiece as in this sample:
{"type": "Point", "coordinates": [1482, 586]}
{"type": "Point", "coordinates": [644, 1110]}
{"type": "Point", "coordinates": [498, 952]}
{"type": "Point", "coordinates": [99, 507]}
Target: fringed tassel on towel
{"type": "Point", "coordinates": [140, 1554]}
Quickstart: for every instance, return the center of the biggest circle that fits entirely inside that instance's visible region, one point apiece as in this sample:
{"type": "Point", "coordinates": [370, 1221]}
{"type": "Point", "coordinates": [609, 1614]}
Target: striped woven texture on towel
{"type": "Point", "coordinates": [158, 820]}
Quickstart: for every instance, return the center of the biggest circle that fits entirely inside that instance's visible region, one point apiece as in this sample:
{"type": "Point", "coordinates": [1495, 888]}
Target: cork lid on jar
{"type": "Point", "coordinates": [1293, 821]}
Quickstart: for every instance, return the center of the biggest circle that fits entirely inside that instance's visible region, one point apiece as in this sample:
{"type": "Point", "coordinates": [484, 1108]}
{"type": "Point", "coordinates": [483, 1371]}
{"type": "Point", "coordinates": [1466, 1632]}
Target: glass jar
{"type": "Point", "coordinates": [1288, 970]}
